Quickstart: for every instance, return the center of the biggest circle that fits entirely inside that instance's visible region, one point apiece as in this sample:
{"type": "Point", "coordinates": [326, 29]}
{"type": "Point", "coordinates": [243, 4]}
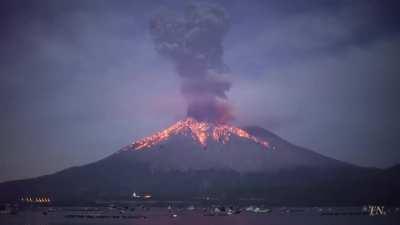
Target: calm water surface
{"type": "Point", "coordinates": [306, 216]}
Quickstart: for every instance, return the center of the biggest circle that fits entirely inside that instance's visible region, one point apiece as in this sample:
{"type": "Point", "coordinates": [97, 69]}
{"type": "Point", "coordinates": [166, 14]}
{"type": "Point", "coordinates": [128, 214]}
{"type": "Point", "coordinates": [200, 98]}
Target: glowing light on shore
{"type": "Point", "coordinates": [36, 200]}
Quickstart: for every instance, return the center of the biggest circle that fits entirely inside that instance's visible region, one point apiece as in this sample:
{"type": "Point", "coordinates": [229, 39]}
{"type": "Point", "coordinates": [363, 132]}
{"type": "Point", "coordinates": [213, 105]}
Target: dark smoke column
{"type": "Point", "coordinates": [193, 41]}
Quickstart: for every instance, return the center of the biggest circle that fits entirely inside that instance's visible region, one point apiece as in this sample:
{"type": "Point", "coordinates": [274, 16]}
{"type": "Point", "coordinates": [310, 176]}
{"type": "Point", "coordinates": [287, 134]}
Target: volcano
{"type": "Point", "coordinates": [193, 159]}
{"type": "Point", "coordinates": [200, 132]}
{"type": "Point", "coordinates": [195, 145]}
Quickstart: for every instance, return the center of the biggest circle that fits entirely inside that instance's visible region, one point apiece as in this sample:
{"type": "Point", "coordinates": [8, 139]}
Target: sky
{"type": "Point", "coordinates": [81, 79]}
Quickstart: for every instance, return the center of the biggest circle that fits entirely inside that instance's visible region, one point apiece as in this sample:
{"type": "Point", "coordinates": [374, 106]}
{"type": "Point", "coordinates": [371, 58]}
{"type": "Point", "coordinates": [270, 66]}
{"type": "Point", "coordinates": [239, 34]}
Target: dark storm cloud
{"type": "Point", "coordinates": [290, 31]}
{"type": "Point", "coordinates": [193, 41]}
{"type": "Point", "coordinates": [79, 79]}
{"type": "Point", "coordinates": [327, 76]}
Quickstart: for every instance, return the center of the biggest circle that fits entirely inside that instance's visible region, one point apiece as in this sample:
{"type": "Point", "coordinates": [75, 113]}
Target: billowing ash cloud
{"type": "Point", "coordinates": [193, 41]}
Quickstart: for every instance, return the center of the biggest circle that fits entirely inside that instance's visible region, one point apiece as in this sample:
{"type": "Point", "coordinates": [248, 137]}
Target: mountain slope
{"type": "Point", "coordinates": [193, 145]}
{"type": "Point", "coordinates": [248, 163]}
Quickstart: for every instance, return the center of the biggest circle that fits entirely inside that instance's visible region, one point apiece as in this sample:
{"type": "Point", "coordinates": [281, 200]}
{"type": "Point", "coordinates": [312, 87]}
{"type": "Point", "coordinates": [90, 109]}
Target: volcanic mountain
{"type": "Point", "coordinates": [193, 145]}
{"type": "Point", "coordinates": [192, 159]}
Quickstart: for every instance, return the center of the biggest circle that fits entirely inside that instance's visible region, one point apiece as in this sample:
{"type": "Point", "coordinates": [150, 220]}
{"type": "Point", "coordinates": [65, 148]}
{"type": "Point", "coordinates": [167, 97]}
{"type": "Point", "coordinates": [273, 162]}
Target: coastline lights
{"type": "Point", "coordinates": [43, 200]}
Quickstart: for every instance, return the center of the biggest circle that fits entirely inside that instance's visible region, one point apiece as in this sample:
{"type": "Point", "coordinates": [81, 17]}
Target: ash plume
{"type": "Point", "coordinates": [193, 42]}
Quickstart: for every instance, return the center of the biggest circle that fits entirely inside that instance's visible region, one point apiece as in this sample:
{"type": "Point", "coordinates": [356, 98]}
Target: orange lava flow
{"type": "Point", "coordinates": [200, 132]}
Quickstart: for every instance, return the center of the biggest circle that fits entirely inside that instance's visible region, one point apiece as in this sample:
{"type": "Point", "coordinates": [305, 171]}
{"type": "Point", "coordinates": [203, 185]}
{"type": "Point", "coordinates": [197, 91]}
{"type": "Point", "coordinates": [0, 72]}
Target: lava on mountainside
{"type": "Point", "coordinates": [200, 132]}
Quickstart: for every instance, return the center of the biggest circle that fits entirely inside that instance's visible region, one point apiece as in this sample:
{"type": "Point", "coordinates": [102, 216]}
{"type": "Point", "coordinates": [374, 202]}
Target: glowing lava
{"type": "Point", "coordinates": [200, 132]}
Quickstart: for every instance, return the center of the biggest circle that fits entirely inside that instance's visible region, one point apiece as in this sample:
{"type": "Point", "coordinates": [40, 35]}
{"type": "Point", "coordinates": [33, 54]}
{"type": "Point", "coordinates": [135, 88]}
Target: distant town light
{"type": "Point", "coordinates": [35, 199]}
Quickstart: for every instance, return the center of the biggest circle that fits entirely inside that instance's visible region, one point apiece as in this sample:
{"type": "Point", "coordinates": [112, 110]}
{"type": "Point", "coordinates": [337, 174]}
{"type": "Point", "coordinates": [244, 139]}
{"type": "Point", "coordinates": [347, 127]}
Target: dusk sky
{"type": "Point", "coordinates": [81, 79]}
